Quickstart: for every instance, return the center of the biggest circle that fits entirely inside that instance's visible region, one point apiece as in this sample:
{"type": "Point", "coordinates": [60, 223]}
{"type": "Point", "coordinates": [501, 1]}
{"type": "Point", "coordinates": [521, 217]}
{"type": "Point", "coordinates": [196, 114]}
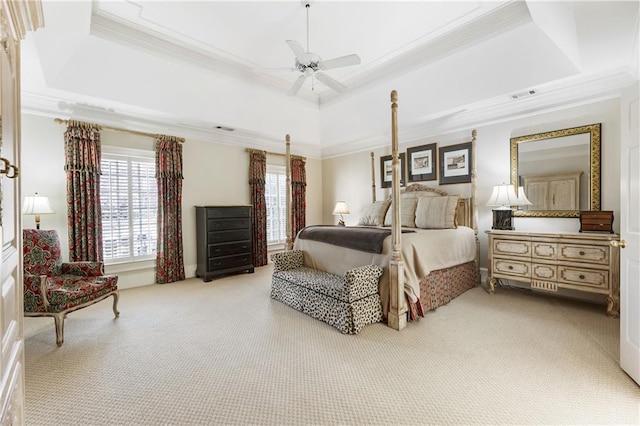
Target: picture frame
{"type": "Point", "coordinates": [386, 170]}
{"type": "Point", "coordinates": [422, 163]}
{"type": "Point", "coordinates": [455, 163]}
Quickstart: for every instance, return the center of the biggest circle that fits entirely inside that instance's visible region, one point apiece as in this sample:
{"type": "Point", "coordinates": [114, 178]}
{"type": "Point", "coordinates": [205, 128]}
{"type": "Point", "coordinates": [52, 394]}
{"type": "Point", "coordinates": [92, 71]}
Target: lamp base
{"type": "Point", "coordinates": [341, 222]}
{"type": "Point", "coordinates": [502, 219]}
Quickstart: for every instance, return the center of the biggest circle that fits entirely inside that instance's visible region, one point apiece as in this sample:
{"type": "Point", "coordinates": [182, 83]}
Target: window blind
{"type": "Point", "coordinates": [129, 200]}
{"type": "Point", "coordinates": [275, 194]}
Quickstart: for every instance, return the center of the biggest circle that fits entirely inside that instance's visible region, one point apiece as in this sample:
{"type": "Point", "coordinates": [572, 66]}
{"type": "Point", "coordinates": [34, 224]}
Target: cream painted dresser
{"type": "Point", "coordinates": [549, 261]}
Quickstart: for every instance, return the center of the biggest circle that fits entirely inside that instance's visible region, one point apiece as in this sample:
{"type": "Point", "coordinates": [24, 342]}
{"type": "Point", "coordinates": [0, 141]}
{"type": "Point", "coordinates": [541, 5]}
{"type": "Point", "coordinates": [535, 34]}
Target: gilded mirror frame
{"type": "Point", "coordinates": [594, 182]}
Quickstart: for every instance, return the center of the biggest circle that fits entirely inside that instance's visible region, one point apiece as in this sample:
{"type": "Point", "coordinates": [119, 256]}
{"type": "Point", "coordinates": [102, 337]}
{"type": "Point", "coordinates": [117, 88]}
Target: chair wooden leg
{"type": "Point", "coordinates": [116, 296]}
{"type": "Point", "coordinates": [59, 320]}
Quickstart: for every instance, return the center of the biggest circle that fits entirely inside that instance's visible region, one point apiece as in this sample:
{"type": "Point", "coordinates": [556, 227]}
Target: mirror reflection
{"type": "Point", "coordinates": [556, 171]}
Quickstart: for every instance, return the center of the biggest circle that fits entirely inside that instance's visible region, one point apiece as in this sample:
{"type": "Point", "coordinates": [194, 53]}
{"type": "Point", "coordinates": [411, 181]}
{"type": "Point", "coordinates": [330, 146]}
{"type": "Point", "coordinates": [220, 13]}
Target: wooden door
{"type": "Point", "coordinates": [537, 193]}
{"type": "Point", "coordinates": [16, 17]}
{"type": "Point", "coordinates": [12, 349]}
{"type": "Point", "coordinates": [563, 194]}
{"type": "Point", "coordinates": [630, 237]}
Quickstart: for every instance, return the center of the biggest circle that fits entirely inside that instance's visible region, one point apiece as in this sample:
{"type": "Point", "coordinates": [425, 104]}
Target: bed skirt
{"type": "Point", "coordinates": [441, 286]}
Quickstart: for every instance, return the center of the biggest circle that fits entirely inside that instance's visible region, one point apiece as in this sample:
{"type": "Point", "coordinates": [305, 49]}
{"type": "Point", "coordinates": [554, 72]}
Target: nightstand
{"type": "Point", "coordinates": [549, 261]}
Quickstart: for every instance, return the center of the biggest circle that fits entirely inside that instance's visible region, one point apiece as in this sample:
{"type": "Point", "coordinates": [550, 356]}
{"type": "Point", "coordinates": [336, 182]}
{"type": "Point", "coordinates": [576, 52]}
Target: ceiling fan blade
{"type": "Point", "coordinates": [342, 61]}
{"type": "Point", "coordinates": [297, 49]}
{"type": "Point", "coordinates": [331, 82]}
{"type": "Point", "coordinates": [297, 84]}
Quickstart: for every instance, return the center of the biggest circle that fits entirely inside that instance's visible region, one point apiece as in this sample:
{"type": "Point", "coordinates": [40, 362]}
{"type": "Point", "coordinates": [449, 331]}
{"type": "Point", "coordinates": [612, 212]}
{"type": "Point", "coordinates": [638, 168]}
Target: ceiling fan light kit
{"type": "Point", "coordinates": [311, 65]}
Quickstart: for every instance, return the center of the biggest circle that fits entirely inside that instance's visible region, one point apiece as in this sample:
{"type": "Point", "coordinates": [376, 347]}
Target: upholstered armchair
{"type": "Point", "coordinates": [53, 288]}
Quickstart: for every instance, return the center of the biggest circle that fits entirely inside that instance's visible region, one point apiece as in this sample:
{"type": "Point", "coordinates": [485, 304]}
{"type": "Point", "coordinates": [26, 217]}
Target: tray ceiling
{"type": "Point", "coordinates": [196, 66]}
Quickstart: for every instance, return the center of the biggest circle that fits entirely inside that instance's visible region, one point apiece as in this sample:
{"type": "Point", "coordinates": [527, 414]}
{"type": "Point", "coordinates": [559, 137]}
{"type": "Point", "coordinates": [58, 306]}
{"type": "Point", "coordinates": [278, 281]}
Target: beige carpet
{"type": "Point", "coordinates": [223, 352]}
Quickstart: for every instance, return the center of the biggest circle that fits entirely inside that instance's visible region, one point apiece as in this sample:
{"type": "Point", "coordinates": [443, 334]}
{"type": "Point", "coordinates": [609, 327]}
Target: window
{"type": "Point", "coordinates": [275, 191]}
{"type": "Point", "coordinates": [129, 199]}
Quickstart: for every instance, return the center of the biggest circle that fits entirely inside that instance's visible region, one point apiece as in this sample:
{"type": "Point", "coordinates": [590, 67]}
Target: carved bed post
{"type": "Point", "coordinates": [474, 199]}
{"type": "Point", "coordinates": [287, 160]}
{"type": "Point", "coordinates": [397, 318]}
{"type": "Point", "coordinates": [373, 178]}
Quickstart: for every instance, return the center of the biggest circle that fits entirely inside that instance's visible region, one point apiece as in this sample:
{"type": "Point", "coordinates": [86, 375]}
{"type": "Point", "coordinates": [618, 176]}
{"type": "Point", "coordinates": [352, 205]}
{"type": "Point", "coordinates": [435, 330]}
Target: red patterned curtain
{"type": "Point", "coordinates": [298, 195]}
{"type": "Point", "coordinates": [84, 215]}
{"type": "Point", "coordinates": [257, 178]}
{"type": "Point", "coordinates": [169, 261]}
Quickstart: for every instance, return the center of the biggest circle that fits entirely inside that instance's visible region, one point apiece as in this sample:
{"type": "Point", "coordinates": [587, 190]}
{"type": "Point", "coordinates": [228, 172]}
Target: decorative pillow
{"type": "Point", "coordinates": [407, 213]}
{"type": "Point", "coordinates": [373, 215]}
{"type": "Point", "coordinates": [437, 212]}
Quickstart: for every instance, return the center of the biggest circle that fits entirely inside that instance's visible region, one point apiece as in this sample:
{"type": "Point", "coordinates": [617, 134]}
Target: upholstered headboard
{"type": "Point", "coordinates": [463, 210]}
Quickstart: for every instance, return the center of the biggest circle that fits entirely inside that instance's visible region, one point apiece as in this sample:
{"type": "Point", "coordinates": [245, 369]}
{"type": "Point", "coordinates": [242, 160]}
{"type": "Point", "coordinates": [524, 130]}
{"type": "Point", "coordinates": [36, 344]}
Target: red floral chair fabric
{"type": "Point", "coordinates": [53, 288]}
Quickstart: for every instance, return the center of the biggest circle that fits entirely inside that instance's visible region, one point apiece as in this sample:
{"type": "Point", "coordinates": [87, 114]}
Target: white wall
{"type": "Point", "coordinates": [348, 177]}
{"type": "Point", "coordinates": [217, 173]}
{"type": "Point", "coordinates": [213, 174]}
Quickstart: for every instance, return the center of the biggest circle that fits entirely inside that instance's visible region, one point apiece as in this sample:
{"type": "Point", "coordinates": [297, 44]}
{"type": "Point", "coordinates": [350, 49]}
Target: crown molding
{"type": "Point", "coordinates": [563, 94]}
{"type": "Point", "coordinates": [60, 106]}
{"type": "Point", "coordinates": [567, 93]}
{"type": "Point", "coordinates": [484, 27]}
{"type": "Point", "coordinates": [106, 26]}
{"type": "Point", "coordinates": [496, 21]}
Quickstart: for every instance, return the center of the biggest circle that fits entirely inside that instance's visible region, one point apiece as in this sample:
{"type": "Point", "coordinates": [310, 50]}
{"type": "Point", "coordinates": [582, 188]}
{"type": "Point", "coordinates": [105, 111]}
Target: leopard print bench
{"type": "Point", "coordinates": [347, 303]}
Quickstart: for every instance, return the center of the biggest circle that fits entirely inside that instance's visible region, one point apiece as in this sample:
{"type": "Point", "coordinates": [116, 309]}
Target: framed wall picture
{"type": "Point", "coordinates": [455, 163]}
{"type": "Point", "coordinates": [422, 163]}
{"type": "Point", "coordinates": [386, 170]}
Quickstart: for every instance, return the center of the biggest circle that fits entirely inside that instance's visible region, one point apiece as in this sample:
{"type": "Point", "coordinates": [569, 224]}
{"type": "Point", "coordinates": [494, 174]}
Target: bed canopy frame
{"type": "Point", "coordinates": [397, 318]}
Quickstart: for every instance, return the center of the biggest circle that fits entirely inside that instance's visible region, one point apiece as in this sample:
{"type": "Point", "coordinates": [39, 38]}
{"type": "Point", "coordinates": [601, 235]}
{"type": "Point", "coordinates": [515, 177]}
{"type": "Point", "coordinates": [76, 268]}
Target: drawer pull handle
{"type": "Point", "coordinates": [218, 263]}
{"type": "Point", "coordinates": [581, 253]}
{"type": "Point", "coordinates": [581, 277]}
{"type": "Point", "coordinates": [510, 267]}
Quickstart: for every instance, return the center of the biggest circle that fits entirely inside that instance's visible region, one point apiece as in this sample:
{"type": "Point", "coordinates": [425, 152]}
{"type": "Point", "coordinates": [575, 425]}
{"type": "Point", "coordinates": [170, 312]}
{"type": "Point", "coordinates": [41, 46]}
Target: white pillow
{"type": "Point", "coordinates": [407, 213]}
{"type": "Point", "coordinates": [373, 214]}
{"type": "Point", "coordinates": [437, 212]}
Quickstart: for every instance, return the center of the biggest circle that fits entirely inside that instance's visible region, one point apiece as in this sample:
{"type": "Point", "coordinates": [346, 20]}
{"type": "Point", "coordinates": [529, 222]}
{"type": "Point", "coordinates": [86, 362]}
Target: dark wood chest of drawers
{"type": "Point", "coordinates": [223, 240]}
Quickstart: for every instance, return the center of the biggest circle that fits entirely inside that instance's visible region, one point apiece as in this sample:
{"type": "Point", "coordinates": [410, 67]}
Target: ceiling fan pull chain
{"type": "Point", "coordinates": [307, 7]}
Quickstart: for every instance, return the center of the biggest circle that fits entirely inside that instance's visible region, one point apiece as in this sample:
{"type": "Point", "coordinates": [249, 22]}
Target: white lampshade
{"type": "Point", "coordinates": [341, 208]}
{"type": "Point", "coordinates": [522, 199]}
{"type": "Point", "coordinates": [504, 196]}
{"type": "Point", "coordinates": [36, 205]}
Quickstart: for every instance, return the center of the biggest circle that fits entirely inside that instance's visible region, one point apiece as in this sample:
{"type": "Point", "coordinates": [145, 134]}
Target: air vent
{"type": "Point", "coordinates": [523, 94]}
{"type": "Point", "coordinates": [226, 129]}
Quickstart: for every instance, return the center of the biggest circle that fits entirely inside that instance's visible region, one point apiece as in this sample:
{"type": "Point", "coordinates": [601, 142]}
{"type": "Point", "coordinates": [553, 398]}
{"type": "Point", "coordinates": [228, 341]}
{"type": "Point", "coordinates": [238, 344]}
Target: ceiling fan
{"type": "Point", "coordinates": [312, 65]}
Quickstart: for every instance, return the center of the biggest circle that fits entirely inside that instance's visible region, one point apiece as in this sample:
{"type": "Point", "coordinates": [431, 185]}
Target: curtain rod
{"type": "Point", "coordinates": [116, 130]}
{"type": "Point", "coordinates": [275, 153]}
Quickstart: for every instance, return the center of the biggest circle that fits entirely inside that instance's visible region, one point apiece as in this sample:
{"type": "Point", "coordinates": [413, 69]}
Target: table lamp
{"type": "Point", "coordinates": [340, 209]}
{"type": "Point", "coordinates": [36, 205]}
{"type": "Point", "coordinates": [504, 197]}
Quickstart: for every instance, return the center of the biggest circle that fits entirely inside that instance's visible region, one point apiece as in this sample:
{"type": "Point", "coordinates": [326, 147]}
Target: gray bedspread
{"type": "Point", "coordinates": [362, 238]}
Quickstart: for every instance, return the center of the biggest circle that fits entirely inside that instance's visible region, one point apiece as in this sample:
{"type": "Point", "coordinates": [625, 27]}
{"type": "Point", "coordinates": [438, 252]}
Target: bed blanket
{"type": "Point", "coordinates": [362, 238]}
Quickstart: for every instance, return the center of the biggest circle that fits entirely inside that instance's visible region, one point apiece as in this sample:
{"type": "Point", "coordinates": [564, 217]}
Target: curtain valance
{"type": "Point", "coordinates": [82, 147]}
{"type": "Point", "coordinates": [168, 157]}
{"type": "Point", "coordinates": [258, 167]}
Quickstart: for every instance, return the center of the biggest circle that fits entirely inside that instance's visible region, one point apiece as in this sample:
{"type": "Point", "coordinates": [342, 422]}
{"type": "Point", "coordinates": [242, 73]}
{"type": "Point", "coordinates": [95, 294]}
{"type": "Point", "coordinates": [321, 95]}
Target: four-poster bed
{"type": "Point", "coordinates": [431, 255]}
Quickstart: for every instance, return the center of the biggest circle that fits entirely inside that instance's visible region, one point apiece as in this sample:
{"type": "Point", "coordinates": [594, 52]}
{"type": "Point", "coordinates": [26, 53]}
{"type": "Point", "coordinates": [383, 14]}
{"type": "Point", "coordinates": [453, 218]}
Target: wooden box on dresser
{"type": "Point", "coordinates": [223, 240]}
{"type": "Point", "coordinates": [549, 261]}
